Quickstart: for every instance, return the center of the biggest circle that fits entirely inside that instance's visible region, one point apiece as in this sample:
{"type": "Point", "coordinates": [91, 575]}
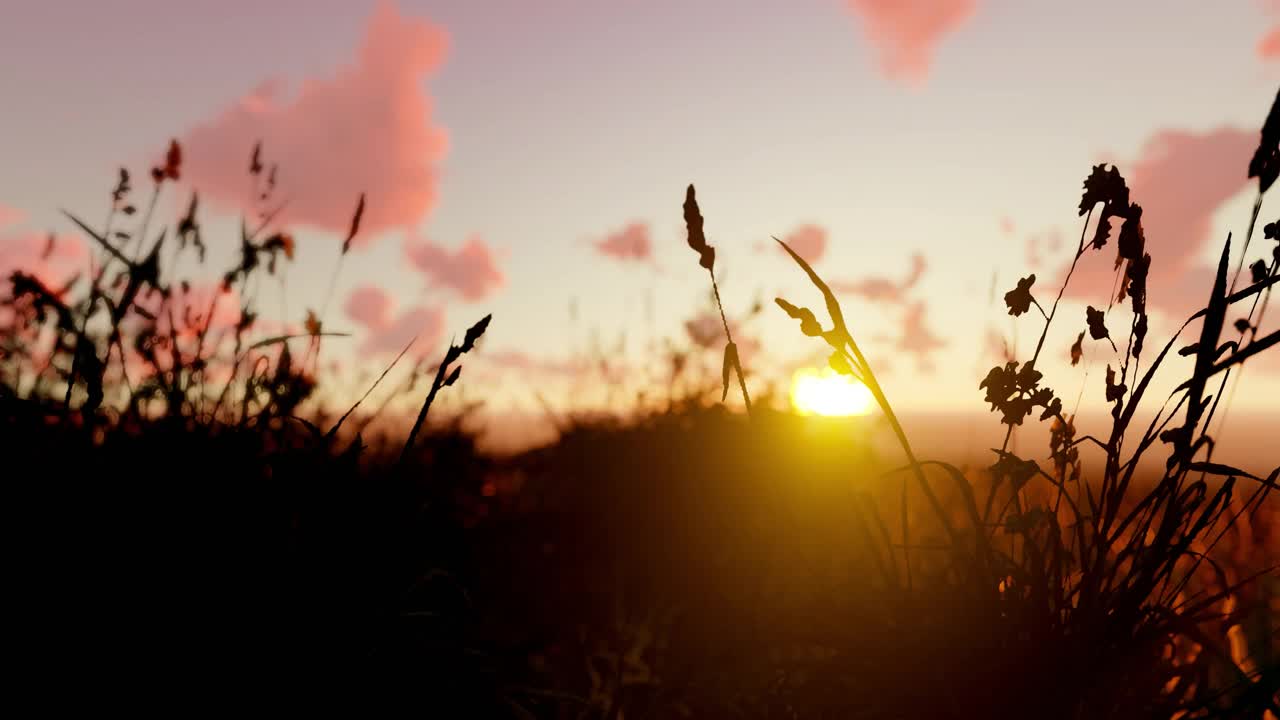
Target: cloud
{"type": "Point", "coordinates": [369, 307]}
{"type": "Point", "coordinates": [196, 308]}
{"type": "Point", "coordinates": [631, 243]}
{"type": "Point", "coordinates": [10, 216]}
{"type": "Point", "coordinates": [1180, 179]}
{"type": "Point", "coordinates": [875, 288]}
{"type": "Point", "coordinates": [1269, 45]}
{"type": "Point", "coordinates": [907, 33]}
{"type": "Point", "coordinates": [526, 363]}
{"type": "Point", "coordinates": [53, 259]}
{"type": "Point", "coordinates": [386, 333]}
{"type": "Point", "coordinates": [916, 338]}
{"type": "Point", "coordinates": [367, 128]}
{"type": "Point", "coordinates": [706, 331]}
{"type": "Point", "coordinates": [809, 241]}
{"type": "Point", "coordinates": [471, 271]}
{"type": "Point", "coordinates": [1037, 244]}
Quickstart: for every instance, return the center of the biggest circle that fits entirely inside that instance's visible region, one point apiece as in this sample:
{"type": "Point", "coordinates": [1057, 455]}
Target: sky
{"type": "Point", "coordinates": [529, 159]}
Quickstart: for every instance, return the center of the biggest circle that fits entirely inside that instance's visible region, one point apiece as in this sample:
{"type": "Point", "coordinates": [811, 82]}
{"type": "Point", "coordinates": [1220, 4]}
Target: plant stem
{"type": "Point", "coordinates": [737, 364]}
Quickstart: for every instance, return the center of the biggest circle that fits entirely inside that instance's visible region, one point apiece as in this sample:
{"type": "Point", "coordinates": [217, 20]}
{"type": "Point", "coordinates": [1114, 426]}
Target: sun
{"type": "Point", "coordinates": [828, 393]}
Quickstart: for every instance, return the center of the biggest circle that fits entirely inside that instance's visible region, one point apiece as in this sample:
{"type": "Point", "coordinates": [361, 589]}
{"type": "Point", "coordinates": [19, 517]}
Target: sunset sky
{"type": "Point", "coordinates": [529, 158]}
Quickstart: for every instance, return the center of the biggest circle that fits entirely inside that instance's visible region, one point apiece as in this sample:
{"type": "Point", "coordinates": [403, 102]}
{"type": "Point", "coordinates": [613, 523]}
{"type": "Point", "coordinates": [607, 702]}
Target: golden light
{"type": "Point", "coordinates": [828, 393]}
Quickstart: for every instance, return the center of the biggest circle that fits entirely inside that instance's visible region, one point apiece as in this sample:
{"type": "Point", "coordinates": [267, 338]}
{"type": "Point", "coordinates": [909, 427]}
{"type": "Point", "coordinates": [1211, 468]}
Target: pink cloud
{"type": "Point", "coordinates": [53, 259]}
{"type": "Point", "coordinates": [809, 241]}
{"type": "Point", "coordinates": [196, 308]}
{"type": "Point", "coordinates": [1006, 225]}
{"type": "Point", "coordinates": [876, 288]}
{"type": "Point", "coordinates": [385, 333]}
{"type": "Point", "coordinates": [368, 128]}
{"type": "Point", "coordinates": [369, 307]}
{"type": "Point", "coordinates": [706, 331]}
{"type": "Point", "coordinates": [907, 33]}
{"type": "Point", "coordinates": [425, 323]}
{"type": "Point", "coordinates": [916, 338]}
{"type": "Point", "coordinates": [1269, 45]}
{"type": "Point", "coordinates": [471, 271]}
{"type": "Point", "coordinates": [1180, 179]}
{"type": "Point", "coordinates": [524, 362]}
{"type": "Point", "coordinates": [10, 216]}
{"type": "Point", "coordinates": [630, 243]}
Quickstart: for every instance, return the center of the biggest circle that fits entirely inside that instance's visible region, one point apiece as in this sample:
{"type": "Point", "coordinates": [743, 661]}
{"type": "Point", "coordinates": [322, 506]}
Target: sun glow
{"type": "Point", "coordinates": [826, 392]}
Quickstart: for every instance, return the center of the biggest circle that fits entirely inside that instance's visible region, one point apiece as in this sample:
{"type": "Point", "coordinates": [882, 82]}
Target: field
{"type": "Point", "coordinates": [187, 515]}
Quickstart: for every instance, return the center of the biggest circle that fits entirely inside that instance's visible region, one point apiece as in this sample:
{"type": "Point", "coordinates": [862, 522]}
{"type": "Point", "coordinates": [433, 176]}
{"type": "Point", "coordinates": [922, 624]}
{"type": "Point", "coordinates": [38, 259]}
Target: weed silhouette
{"type": "Point", "coordinates": [188, 512]}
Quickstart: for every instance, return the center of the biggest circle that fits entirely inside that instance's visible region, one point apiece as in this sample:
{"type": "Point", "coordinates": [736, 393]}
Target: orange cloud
{"type": "Point", "coordinates": [907, 32]}
{"type": "Point", "coordinates": [368, 128]}
{"type": "Point", "coordinates": [630, 243]}
{"type": "Point", "coordinates": [1269, 45]}
{"type": "Point", "coordinates": [471, 271]}
{"type": "Point", "coordinates": [385, 333]}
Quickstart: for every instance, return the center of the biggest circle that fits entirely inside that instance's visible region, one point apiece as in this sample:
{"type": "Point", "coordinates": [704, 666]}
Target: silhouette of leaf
{"type": "Point", "coordinates": [312, 323]}
{"type": "Point", "coordinates": [355, 225]}
{"type": "Point", "coordinates": [1019, 299]}
{"type": "Point", "coordinates": [1013, 469]}
{"type": "Point", "coordinates": [1132, 241]}
{"type": "Point", "coordinates": [1104, 186]}
{"type": "Point", "coordinates": [173, 161]}
{"type": "Point", "coordinates": [1103, 230]}
{"type": "Point", "coordinates": [98, 238]}
{"type": "Point", "coordinates": [693, 223]}
{"type": "Point", "coordinates": [121, 190]}
{"type": "Point", "coordinates": [1096, 320]}
{"type": "Point", "coordinates": [453, 376]}
{"type": "Point", "coordinates": [841, 331]}
{"type": "Point", "coordinates": [840, 364]}
{"type": "Point", "coordinates": [808, 323]}
{"type": "Point", "coordinates": [1052, 409]}
{"type": "Point", "coordinates": [1115, 390]}
{"type": "Point", "coordinates": [1136, 282]}
{"type": "Point", "coordinates": [1258, 271]}
{"type": "Point", "coordinates": [730, 362]}
{"type": "Point", "coordinates": [333, 431]}
{"type": "Point", "coordinates": [1265, 164]}
{"type": "Point", "coordinates": [255, 162]}
{"type": "Point", "coordinates": [1214, 468]}
{"type": "Point", "coordinates": [1077, 349]}
{"type": "Point", "coordinates": [474, 333]}
{"type": "Point", "coordinates": [1139, 334]}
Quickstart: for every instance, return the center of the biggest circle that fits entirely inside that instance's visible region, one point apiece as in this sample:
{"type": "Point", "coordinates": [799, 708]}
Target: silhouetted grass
{"type": "Point", "coordinates": [185, 515]}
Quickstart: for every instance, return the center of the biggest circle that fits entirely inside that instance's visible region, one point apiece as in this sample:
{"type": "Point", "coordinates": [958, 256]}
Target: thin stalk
{"type": "Point", "coordinates": [737, 364]}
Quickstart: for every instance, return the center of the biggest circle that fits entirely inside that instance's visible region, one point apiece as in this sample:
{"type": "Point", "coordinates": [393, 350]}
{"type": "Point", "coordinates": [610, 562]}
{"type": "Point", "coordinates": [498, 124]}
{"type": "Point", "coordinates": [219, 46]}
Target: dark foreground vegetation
{"type": "Point", "coordinates": [184, 519]}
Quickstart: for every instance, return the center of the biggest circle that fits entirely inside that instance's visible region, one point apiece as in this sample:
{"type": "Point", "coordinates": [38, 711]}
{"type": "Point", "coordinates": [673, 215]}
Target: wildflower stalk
{"type": "Point", "coordinates": [707, 258]}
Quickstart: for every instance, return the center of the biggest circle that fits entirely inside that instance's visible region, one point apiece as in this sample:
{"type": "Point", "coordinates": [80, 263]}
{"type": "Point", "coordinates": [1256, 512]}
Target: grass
{"type": "Point", "coordinates": [188, 514]}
